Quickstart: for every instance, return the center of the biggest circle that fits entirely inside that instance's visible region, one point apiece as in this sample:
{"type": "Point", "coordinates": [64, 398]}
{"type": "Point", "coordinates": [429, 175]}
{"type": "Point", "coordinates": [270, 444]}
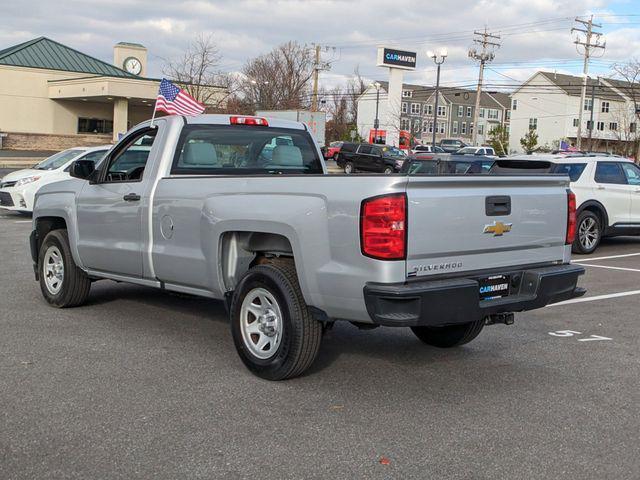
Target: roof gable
{"type": "Point", "coordinates": [48, 54]}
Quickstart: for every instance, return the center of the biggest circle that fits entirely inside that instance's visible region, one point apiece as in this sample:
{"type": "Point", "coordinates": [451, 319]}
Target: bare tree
{"type": "Point", "coordinates": [280, 79]}
{"type": "Point", "coordinates": [629, 73]}
{"type": "Point", "coordinates": [197, 72]}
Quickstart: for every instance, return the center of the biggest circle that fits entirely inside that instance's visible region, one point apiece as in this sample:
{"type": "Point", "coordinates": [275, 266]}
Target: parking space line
{"type": "Point", "coordinates": [609, 267]}
{"type": "Point", "coordinates": [23, 221]}
{"type": "Point", "coordinates": [596, 298]}
{"type": "Point", "coordinates": [611, 257]}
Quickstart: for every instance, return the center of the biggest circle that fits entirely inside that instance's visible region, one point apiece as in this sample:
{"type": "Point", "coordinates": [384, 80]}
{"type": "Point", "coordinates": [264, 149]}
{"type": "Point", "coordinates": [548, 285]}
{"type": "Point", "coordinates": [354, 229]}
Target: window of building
{"type": "Point", "coordinates": [405, 107]}
{"type": "Point", "coordinates": [455, 128]}
{"type": "Point", "coordinates": [576, 122]}
{"type": "Point", "coordinates": [442, 111]}
{"type": "Point", "coordinates": [469, 111]}
{"type": "Point", "coordinates": [508, 114]}
{"type": "Point", "coordinates": [613, 126]}
{"type": "Point", "coordinates": [407, 94]}
{"type": "Point", "coordinates": [481, 114]}
{"type": "Point", "coordinates": [589, 125]}
{"type": "Point", "coordinates": [404, 124]}
{"type": "Point", "coordinates": [632, 127]}
{"type": "Point", "coordinates": [605, 107]}
{"type": "Point", "coordinates": [425, 126]}
{"type": "Point", "coordinates": [463, 128]}
{"type": "Point", "coordinates": [415, 109]}
{"type": "Point", "coordinates": [442, 127]}
{"type": "Point", "coordinates": [460, 111]}
{"type": "Point", "coordinates": [430, 127]}
{"type": "Point", "coordinates": [601, 126]}
{"type": "Point", "coordinates": [514, 104]}
{"type": "Point", "coordinates": [493, 114]}
{"type": "Point", "coordinates": [429, 110]}
{"type": "Point", "coordinates": [533, 124]}
{"type": "Point", "coordinates": [416, 125]}
{"type": "Point", "coordinates": [94, 125]}
{"type": "Point", "coordinates": [471, 128]}
{"type": "Point", "coordinates": [588, 104]}
{"type": "Point", "coordinates": [480, 129]}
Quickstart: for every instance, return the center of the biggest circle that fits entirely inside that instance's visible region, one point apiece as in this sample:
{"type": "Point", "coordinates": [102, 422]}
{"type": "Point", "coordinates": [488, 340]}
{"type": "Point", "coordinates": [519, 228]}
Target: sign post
{"type": "Point", "coordinates": [397, 61]}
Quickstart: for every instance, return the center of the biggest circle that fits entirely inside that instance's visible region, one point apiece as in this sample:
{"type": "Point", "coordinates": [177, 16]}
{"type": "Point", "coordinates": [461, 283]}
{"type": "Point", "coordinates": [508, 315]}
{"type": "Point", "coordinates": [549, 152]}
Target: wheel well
{"type": "Point", "coordinates": [239, 251]}
{"type": "Point", "coordinates": [599, 210]}
{"type": "Point", "coordinates": [45, 225]}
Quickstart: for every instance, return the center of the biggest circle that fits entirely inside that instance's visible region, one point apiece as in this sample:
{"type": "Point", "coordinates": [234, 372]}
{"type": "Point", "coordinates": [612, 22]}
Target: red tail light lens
{"type": "Point", "coordinates": [249, 121]}
{"type": "Point", "coordinates": [383, 227]}
{"type": "Point", "coordinates": [571, 217]}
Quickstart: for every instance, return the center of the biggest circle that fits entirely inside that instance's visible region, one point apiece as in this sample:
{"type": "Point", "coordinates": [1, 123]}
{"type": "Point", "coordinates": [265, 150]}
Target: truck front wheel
{"type": "Point", "coordinates": [62, 283]}
{"type": "Point", "coordinates": [449, 335]}
{"type": "Point", "coordinates": [272, 328]}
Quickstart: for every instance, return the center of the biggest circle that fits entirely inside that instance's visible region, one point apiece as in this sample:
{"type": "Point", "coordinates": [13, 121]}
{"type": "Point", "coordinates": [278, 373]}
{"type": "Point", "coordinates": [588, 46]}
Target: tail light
{"type": "Point", "coordinates": [383, 227]}
{"type": "Point", "coordinates": [571, 217]}
{"type": "Point", "coordinates": [259, 121]}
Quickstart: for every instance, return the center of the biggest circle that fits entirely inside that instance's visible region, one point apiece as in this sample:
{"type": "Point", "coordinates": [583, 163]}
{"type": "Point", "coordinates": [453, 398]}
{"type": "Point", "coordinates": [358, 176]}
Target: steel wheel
{"type": "Point", "coordinates": [261, 323]}
{"type": "Point", "coordinates": [53, 269]}
{"type": "Point", "coordinates": [589, 233]}
{"type": "Point", "coordinates": [348, 168]}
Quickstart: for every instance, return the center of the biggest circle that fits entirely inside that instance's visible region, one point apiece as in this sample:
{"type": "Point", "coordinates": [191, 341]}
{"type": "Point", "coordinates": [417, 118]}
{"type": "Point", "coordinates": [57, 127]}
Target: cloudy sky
{"type": "Point", "coordinates": [534, 33]}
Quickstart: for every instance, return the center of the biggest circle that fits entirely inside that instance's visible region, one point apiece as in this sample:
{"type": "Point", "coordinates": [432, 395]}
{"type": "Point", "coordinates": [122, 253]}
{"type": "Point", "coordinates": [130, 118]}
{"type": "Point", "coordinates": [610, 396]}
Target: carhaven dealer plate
{"type": "Point", "coordinates": [496, 286]}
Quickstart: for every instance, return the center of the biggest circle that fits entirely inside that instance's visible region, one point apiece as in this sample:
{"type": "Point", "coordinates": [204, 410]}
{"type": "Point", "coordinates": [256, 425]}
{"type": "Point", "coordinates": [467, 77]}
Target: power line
{"type": "Point", "coordinates": [488, 42]}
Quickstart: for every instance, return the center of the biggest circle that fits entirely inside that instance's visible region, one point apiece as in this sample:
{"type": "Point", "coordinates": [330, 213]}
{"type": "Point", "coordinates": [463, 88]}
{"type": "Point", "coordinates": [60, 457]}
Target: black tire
{"type": "Point", "coordinates": [588, 233]}
{"type": "Point", "coordinates": [349, 168]}
{"type": "Point", "coordinates": [450, 335]}
{"type": "Point", "coordinates": [388, 170]}
{"type": "Point", "coordinates": [300, 332]}
{"type": "Point", "coordinates": [75, 284]}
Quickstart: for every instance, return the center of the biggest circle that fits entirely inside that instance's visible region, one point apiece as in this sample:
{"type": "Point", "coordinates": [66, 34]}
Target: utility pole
{"type": "Point", "coordinates": [438, 59]}
{"type": "Point", "coordinates": [317, 67]}
{"type": "Point", "coordinates": [488, 42]}
{"type": "Point", "coordinates": [590, 42]}
{"type": "Point", "coordinates": [593, 101]}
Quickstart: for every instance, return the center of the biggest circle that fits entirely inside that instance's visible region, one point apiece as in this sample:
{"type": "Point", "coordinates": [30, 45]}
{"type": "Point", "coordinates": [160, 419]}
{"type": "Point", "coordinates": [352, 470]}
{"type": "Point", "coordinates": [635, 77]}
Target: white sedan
{"type": "Point", "coordinates": [18, 189]}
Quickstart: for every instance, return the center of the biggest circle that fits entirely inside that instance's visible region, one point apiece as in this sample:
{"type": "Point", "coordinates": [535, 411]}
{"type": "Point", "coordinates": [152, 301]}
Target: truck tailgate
{"type": "Point", "coordinates": [458, 224]}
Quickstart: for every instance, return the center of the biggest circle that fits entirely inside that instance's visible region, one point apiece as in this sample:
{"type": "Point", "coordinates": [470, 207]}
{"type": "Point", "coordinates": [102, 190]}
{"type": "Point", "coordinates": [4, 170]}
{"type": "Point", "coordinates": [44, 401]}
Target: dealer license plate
{"type": "Point", "coordinates": [496, 286]}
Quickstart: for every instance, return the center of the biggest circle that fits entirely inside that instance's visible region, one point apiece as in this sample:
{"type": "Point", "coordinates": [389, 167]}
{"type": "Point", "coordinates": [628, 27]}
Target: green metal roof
{"type": "Point", "coordinates": [45, 53]}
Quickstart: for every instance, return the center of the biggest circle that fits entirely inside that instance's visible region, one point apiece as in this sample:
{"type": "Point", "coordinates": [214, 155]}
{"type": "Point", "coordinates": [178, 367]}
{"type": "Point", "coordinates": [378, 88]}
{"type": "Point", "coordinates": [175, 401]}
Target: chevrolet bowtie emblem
{"type": "Point", "coordinates": [498, 228]}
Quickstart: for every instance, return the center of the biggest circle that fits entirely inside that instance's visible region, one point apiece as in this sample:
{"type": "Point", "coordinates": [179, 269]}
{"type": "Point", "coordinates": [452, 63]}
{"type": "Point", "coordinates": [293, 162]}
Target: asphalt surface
{"type": "Point", "coordinates": [145, 384]}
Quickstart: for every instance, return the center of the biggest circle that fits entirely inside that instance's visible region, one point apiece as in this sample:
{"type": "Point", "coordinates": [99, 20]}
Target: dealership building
{"type": "Point", "coordinates": [53, 96]}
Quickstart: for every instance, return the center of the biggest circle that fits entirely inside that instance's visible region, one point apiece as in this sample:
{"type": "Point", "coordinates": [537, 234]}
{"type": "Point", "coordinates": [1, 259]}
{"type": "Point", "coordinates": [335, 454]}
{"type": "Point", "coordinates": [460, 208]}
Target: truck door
{"type": "Point", "coordinates": [109, 210]}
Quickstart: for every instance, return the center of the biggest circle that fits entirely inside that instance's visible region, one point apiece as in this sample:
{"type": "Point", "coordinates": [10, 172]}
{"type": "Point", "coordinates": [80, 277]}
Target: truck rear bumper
{"type": "Point", "coordinates": [457, 300]}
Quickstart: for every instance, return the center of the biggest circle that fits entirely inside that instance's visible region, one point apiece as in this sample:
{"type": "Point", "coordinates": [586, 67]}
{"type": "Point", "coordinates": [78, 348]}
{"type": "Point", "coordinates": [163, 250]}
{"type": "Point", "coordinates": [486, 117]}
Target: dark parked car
{"type": "Point", "coordinates": [451, 145]}
{"type": "Point", "coordinates": [366, 157]}
{"type": "Point", "coordinates": [452, 165]}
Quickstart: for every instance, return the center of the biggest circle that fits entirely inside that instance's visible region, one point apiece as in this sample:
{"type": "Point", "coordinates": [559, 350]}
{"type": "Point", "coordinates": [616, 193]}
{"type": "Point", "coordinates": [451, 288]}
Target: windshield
{"type": "Point", "coordinates": [58, 160]}
{"type": "Point", "coordinates": [467, 150]}
{"type": "Point", "coordinates": [243, 150]}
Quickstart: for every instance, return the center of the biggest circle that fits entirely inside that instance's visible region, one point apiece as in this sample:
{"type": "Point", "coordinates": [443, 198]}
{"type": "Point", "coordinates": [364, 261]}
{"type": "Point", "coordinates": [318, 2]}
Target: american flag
{"type": "Point", "coordinates": [176, 101]}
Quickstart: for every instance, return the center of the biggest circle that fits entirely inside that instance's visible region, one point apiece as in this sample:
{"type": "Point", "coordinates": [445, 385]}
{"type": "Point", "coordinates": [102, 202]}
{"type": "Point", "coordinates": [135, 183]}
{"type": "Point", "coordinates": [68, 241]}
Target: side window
{"type": "Point", "coordinates": [376, 151]}
{"type": "Point", "coordinates": [365, 149]}
{"type": "Point", "coordinates": [128, 162]}
{"type": "Point", "coordinates": [632, 172]}
{"type": "Point", "coordinates": [610, 172]}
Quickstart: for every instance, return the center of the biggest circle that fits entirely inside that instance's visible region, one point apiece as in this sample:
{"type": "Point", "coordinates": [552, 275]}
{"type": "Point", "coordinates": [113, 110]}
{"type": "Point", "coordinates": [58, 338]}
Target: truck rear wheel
{"type": "Point", "coordinates": [62, 283]}
{"type": "Point", "coordinates": [449, 335]}
{"type": "Point", "coordinates": [272, 328]}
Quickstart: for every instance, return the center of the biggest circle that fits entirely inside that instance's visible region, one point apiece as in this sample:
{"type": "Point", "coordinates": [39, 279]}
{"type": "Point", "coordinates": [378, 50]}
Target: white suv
{"type": "Point", "coordinates": [607, 190]}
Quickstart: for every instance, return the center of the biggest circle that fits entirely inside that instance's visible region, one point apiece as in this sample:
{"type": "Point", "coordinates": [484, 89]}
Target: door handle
{"type": "Point", "coordinates": [600, 187]}
{"type": "Point", "coordinates": [131, 197]}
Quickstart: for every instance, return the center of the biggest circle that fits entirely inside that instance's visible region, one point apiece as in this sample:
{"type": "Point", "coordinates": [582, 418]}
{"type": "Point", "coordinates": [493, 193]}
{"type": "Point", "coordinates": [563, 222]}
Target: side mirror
{"type": "Point", "coordinates": [82, 169]}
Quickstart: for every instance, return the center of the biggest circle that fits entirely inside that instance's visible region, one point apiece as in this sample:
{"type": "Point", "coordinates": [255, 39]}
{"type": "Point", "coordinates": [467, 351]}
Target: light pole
{"type": "Point", "coordinates": [376, 121]}
{"type": "Point", "coordinates": [439, 60]}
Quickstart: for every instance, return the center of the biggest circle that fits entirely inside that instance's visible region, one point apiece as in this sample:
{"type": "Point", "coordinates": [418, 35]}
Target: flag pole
{"type": "Point", "coordinates": [153, 115]}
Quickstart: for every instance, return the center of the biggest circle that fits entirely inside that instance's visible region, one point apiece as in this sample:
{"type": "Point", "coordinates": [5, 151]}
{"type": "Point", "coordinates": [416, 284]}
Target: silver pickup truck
{"type": "Point", "coordinates": [241, 209]}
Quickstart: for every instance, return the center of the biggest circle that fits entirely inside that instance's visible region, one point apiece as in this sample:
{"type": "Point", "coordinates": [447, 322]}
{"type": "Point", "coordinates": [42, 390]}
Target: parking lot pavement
{"type": "Point", "coordinates": [144, 384]}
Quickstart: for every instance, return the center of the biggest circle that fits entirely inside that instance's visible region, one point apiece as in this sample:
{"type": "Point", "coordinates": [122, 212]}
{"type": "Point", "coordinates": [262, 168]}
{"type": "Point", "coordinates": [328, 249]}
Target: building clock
{"type": "Point", "coordinates": [132, 65]}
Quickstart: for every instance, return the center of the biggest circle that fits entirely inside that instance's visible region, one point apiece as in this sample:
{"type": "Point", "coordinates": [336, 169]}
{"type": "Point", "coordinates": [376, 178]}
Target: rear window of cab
{"type": "Point", "coordinates": [244, 150]}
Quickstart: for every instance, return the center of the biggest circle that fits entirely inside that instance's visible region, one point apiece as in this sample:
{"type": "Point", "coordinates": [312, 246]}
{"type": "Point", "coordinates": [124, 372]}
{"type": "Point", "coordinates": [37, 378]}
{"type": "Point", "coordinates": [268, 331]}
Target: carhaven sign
{"type": "Point", "coordinates": [389, 57]}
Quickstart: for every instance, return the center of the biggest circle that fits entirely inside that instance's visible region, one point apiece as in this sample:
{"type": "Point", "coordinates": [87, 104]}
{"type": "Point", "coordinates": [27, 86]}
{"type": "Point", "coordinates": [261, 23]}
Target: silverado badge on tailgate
{"type": "Point", "coordinates": [497, 228]}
